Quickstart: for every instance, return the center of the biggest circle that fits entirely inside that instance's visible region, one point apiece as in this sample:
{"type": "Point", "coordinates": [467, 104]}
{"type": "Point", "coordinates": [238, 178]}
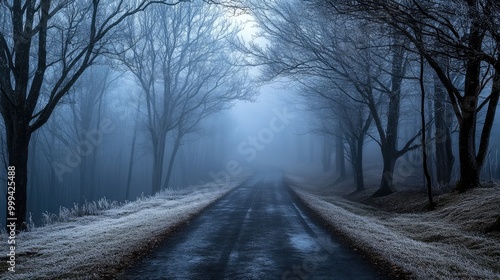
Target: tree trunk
{"type": "Point", "coordinates": [430, 144]}
{"type": "Point", "coordinates": [424, 139]}
{"type": "Point", "coordinates": [17, 146]}
{"type": "Point", "coordinates": [172, 159]}
{"type": "Point", "coordinates": [470, 171]}
{"type": "Point", "coordinates": [386, 185]}
{"type": "Point", "coordinates": [470, 168]}
{"type": "Point", "coordinates": [158, 159]}
{"type": "Point", "coordinates": [470, 162]}
{"type": "Point", "coordinates": [131, 164]}
{"type": "Point", "coordinates": [83, 181]}
{"type": "Point", "coordinates": [33, 192]}
{"type": "Point", "coordinates": [92, 182]}
{"type": "Point", "coordinates": [339, 157]}
{"type": "Point", "coordinates": [390, 139]}
{"type": "Point", "coordinates": [443, 148]}
{"type": "Point", "coordinates": [357, 165]}
{"type": "Point", "coordinates": [388, 148]}
{"type": "Point", "coordinates": [53, 194]}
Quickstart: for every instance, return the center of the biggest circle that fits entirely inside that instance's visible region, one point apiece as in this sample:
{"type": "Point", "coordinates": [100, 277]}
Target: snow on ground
{"type": "Point", "coordinates": [443, 244]}
{"type": "Point", "coordinates": [92, 247]}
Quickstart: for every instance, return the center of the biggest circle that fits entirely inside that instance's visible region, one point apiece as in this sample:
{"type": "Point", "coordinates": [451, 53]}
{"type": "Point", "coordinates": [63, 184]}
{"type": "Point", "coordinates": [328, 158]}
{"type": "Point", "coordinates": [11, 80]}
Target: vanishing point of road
{"type": "Point", "coordinates": [255, 232]}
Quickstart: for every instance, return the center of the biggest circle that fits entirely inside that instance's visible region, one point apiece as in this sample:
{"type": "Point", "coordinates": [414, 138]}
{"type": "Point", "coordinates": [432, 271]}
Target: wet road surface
{"type": "Point", "coordinates": [255, 232]}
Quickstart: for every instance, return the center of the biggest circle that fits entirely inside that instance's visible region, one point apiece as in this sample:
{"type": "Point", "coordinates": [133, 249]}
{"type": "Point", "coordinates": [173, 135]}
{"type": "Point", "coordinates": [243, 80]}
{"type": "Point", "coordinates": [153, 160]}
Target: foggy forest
{"type": "Point", "coordinates": [247, 139]}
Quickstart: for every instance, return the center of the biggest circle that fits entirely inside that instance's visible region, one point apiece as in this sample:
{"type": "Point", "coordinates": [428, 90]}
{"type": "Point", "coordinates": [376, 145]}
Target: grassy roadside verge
{"type": "Point", "coordinates": [99, 247]}
{"type": "Point", "coordinates": [443, 244]}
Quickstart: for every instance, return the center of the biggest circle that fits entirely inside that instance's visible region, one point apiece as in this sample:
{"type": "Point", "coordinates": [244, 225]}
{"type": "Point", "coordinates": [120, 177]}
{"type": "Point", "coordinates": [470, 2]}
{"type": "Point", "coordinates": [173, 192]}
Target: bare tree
{"type": "Point", "coordinates": [466, 33]}
{"type": "Point", "coordinates": [461, 33]}
{"type": "Point", "coordinates": [353, 121]}
{"type": "Point", "coordinates": [305, 41]}
{"type": "Point", "coordinates": [41, 39]}
{"type": "Point", "coordinates": [357, 126]}
{"type": "Point", "coordinates": [186, 69]}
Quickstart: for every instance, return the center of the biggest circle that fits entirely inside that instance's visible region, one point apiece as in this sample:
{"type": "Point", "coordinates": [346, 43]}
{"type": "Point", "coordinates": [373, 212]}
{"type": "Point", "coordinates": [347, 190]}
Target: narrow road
{"type": "Point", "coordinates": [255, 232]}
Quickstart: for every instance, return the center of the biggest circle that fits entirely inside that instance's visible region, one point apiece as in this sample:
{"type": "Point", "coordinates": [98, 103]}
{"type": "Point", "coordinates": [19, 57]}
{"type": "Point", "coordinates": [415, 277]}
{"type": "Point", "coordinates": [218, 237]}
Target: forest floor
{"type": "Point", "coordinates": [99, 246]}
{"type": "Point", "coordinates": [398, 231]}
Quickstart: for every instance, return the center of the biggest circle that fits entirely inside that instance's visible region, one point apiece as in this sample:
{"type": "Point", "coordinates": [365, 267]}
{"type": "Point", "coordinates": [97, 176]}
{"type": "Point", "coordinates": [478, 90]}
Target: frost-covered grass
{"type": "Point", "coordinates": [447, 243]}
{"type": "Point", "coordinates": [92, 208]}
{"type": "Point", "coordinates": [108, 237]}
